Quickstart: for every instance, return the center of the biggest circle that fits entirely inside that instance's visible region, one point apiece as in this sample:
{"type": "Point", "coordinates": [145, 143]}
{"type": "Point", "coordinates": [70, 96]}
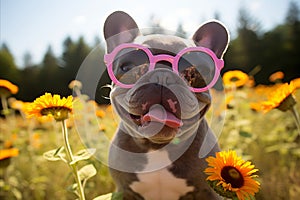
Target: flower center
{"type": "Point", "coordinates": [59, 113]}
{"type": "Point", "coordinates": [234, 79]}
{"type": "Point", "coordinates": [233, 176]}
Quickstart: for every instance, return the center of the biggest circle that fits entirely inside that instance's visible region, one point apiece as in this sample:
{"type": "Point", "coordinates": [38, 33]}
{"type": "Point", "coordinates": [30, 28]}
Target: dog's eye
{"type": "Point", "coordinates": [127, 67]}
{"type": "Point", "coordinates": [129, 73]}
{"type": "Point", "coordinates": [197, 68]}
{"type": "Point", "coordinates": [193, 77]}
{"type": "Point", "coordinates": [130, 64]}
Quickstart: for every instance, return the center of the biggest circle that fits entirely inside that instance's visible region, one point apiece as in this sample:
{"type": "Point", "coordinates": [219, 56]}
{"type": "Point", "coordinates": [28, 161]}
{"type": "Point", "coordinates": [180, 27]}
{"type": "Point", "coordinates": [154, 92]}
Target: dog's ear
{"type": "Point", "coordinates": [212, 35]}
{"type": "Point", "coordinates": [119, 28]}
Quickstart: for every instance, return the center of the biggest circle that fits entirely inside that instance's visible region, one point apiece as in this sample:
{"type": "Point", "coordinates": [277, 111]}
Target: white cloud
{"type": "Point", "coordinates": [169, 22]}
{"type": "Point", "coordinates": [183, 12]}
{"type": "Point", "coordinates": [255, 6]}
{"type": "Point", "coordinates": [80, 19]}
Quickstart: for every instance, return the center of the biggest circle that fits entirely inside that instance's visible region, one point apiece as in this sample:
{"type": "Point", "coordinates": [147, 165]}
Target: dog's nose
{"type": "Point", "coordinates": [163, 77]}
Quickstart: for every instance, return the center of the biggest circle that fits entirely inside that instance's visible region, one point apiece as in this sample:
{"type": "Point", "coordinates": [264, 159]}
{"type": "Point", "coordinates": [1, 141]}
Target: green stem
{"type": "Point", "coordinates": [296, 116]}
{"type": "Point", "coordinates": [4, 105]}
{"type": "Point", "coordinates": [4, 109]}
{"type": "Point", "coordinates": [77, 91]}
{"type": "Point", "coordinates": [70, 159]}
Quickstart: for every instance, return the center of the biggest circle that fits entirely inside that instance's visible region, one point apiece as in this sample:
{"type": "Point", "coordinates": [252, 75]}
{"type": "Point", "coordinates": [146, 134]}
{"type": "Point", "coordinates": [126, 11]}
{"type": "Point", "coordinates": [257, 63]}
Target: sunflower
{"type": "Point", "coordinates": [296, 82]}
{"type": "Point", "coordinates": [100, 113]}
{"type": "Point", "coordinates": [235, 78]}
{"type": "Point", "coordinates": [281, 98]}
{"type": "Point", "coordinates": [16, 104]}
{"type": "Point", "coordinates": [8, 86]}
{"type": "Point", "coordinates": [47, 104]}
{"type": "Point", "coordinates": [277, 76]}
{"type": "Point", "coordinates": [75, 84]}
{"type": "Point", "coordinates": [231, 176]}
{"type": "Point", "coordinates": [8, 153]}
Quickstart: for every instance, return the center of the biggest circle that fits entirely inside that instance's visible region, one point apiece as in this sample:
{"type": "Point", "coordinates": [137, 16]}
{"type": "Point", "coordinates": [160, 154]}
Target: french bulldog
{"type": "Point", "coordinates": [160, 91]}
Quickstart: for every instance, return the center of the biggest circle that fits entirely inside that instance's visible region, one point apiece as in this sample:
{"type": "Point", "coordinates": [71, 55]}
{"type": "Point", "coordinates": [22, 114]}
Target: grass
{"type": "Point", "coordinates": [269, 140]}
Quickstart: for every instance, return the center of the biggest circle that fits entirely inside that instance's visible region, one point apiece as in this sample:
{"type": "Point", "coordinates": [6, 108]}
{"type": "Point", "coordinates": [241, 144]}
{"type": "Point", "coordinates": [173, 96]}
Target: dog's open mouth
{"type": "Point", "coordinates": [157, 113]}
{"type": "Point", "coordinates": [157, 125]}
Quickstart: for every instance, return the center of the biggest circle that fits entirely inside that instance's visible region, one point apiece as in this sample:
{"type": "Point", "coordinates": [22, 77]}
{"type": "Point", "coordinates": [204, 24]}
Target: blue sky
{"type": "Point", "coordinates": [33, 25]}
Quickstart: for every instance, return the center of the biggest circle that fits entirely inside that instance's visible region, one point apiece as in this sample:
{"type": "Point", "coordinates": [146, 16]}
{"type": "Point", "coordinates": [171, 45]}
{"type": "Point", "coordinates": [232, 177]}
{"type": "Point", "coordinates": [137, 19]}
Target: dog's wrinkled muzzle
{"type": "Point", "coordinates": [159, 106]}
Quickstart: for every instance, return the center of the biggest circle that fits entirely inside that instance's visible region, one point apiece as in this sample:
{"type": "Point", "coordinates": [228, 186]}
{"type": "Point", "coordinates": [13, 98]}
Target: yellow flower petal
{"type": "Point", "coordinates": [276, 98]}
{"type": "Point", "coordinates": [233, 174]}
{"type": "Point", "coordinates": [296, 82]}
{"type": "Point", "coordinates": [276, 76]}
{"type": "Point", "coordinates": [8, 153]}
{"type": "Point", "coordinates": [8, 86]}
{"type": "Point", "coordinates": [235, 78]}
{"type": "Point", "coordinates": [50, 105]}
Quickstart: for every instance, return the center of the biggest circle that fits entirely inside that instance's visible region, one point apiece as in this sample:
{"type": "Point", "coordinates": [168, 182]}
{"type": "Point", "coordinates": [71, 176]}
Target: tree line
{"type": "Point", "coordinates": [255, 52]}
{"type": "Point", "coordinates": [262, 54]}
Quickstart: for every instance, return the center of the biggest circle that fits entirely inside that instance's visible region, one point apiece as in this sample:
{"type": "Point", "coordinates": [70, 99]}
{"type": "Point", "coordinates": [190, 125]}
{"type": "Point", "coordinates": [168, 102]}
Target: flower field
{"type": "Point", "coordinates": [256, 126]}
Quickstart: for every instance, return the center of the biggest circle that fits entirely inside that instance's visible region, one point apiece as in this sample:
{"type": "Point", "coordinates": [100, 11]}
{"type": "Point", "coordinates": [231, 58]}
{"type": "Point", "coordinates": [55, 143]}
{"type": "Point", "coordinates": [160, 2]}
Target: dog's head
{"type": "Point", "coordinates": [161, 82]}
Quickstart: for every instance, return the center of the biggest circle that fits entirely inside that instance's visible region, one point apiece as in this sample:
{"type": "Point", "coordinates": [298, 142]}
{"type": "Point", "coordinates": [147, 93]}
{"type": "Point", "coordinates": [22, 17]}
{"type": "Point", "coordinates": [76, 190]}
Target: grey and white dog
{"type": "Point", "coordinates": [159, 150]}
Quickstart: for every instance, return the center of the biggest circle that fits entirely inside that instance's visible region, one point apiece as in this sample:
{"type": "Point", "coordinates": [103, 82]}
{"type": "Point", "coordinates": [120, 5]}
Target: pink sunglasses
{"type": "Point", "coordinates": [198, 66]}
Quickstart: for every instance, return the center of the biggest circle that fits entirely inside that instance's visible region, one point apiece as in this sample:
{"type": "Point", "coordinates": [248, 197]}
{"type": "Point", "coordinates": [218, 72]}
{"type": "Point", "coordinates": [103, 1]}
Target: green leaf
{"type": "Point", "coordinates": [55, 155]}
{"type": "Point", "coordinates": [282, 148]}
{"type": "Point", "coordinates": [2, 183]}
{"type": "Point", "coordinates": [252, 197]}
{"type": "Point", "coordinates": [296, 152]}
{"type": "Point", "coordinates": [58, 151]}
{"type": "Point", "coordinates": [87, 172]}
{"type": "Point", "coordinates": [6, 111]}
{"type": "Point", "coordinates": [245, 134]}
{"type": "Point", "coordinates": [17, 193]}
{"type": "Point", "coordinates": [83, 154]}
{"type": "Point", "coordinates": [110, 196]}
{"type": "Point", "coordinates": [72, 188]}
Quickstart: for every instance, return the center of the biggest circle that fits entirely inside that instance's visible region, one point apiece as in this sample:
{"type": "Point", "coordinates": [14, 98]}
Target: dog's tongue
{"type": "Point", "coordinates": [158, 114]}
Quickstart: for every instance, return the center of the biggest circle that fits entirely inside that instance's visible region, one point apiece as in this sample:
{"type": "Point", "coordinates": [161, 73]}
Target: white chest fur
{"type": "Point", "coordinates": [160, 184]}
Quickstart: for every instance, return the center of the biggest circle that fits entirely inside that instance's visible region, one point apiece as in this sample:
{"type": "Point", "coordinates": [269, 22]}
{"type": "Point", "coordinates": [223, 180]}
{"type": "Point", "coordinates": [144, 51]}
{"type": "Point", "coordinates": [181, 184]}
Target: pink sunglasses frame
{"type": "Point", "coordinates": [153, 59]}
